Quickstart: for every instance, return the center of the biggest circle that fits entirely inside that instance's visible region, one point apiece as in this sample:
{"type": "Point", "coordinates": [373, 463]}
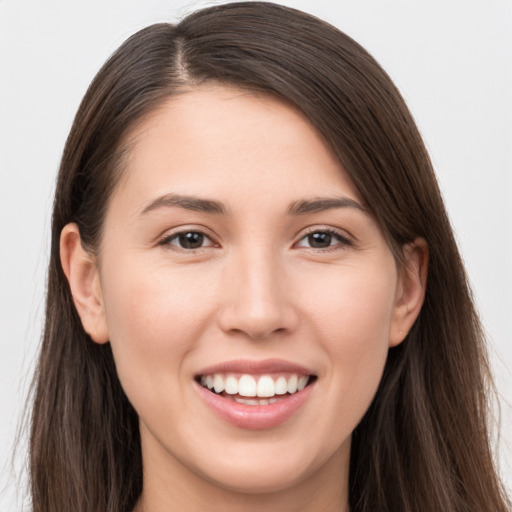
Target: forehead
{"type": "Point", "coordinates": [230, 143]}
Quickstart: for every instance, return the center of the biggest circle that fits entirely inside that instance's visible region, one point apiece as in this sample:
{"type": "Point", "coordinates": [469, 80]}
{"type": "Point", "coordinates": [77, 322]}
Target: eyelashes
{"type": "Point", "coordinates": [323, 239]}
{"type": "Point", "coordinates": [188, 240]}
{"type": "Point", "coordinates": [318, 239]}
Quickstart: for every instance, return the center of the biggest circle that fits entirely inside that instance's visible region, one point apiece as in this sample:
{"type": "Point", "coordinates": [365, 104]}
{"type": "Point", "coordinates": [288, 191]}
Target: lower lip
{"type": "Point", "coordinates": [255, 417]}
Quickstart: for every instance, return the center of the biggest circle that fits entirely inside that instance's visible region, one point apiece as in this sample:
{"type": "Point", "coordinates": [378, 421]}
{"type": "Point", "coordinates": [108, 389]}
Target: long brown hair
{"type": "Point", "coordinates": [423, 445]}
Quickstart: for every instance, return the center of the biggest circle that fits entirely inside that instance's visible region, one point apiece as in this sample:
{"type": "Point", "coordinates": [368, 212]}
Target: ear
{"type": "Point", "coordinates": [83, 277]}
{"type": "Point", "coordinates": [410, 291]}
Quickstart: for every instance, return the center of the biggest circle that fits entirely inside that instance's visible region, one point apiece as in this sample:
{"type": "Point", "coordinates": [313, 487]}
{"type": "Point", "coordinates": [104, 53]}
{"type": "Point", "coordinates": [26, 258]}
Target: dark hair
{"type": "Point", "coordinates": [424, 442]}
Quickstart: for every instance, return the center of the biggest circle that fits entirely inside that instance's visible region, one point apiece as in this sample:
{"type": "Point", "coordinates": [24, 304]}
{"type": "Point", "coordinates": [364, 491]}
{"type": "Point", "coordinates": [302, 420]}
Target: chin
{"type": "Point", "coordinates": [258, 478]}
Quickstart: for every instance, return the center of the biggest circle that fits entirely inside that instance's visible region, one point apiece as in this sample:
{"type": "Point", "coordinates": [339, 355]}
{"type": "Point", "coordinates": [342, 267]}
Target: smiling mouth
{"type": "Point", "coordinates": [255, 389]}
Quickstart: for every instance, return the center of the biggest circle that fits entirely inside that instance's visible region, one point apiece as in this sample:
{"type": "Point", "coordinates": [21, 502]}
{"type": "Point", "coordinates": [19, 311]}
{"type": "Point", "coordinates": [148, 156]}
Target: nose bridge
{"type": "Point", "coordinates": [256, 302]}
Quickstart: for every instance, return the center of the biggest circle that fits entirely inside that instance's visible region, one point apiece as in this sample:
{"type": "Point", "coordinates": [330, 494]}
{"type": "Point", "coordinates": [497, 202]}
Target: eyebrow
{"type": "Point", "coordinates": [197, 204]}
{"type": "Point", "coordinates": [193, 203]}
{"type": "Point", "coordinates": [321, 204]}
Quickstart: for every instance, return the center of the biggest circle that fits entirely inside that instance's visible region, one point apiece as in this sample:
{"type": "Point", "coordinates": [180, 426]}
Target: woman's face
{"type": "Point", "coordinates": [238, 254]}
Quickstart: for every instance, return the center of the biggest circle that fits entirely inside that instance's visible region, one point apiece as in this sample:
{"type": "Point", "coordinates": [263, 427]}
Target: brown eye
{"type": "Point", "coordinates": [189, 240]}
{"type": "Point", "coordinates": [320, 240]}
{"type": "Point", "coordinates": [323, 239]}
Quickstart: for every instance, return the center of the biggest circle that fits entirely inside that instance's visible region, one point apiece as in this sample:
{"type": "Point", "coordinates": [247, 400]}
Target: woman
{"type": "Point", "coordinates": [239, 315]}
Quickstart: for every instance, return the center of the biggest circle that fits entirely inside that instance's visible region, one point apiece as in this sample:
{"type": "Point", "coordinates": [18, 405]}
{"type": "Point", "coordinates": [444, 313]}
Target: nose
{"type": "Point", "coordinates": [257, 302]}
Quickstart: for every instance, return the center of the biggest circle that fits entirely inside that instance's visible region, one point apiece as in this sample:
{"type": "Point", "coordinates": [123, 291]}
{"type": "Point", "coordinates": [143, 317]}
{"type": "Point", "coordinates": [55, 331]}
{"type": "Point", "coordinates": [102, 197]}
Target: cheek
{"type": "Point", "coordinates": [152, 301]}
{"type": "Point", "coordinates": [353, 307]}
{"type": "Point", "coordinates": [353, 323]}
{"type": "Point", "coordinates": [364, 312]}
{"type": "Point", "coordinates": [154, 319]}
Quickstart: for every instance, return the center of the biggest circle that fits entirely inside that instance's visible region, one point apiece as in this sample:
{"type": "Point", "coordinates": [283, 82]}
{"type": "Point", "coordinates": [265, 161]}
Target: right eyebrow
{"type": "Point", "coordinates": [186, 202]}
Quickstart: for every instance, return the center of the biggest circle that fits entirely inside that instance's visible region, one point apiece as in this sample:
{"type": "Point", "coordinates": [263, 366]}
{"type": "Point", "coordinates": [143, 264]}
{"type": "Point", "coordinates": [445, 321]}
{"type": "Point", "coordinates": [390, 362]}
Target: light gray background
{"type": "Point", "coordinates": [452, 60]}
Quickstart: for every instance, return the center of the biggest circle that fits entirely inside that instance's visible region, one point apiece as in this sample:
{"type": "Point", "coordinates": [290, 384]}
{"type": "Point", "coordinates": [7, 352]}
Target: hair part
{"type": "Point", "coordinates": [424, 442]}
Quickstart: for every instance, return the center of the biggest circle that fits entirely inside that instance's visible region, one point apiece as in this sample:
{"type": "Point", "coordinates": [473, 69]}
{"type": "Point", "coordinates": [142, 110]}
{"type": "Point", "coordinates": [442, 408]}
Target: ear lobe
{"type": "Point", "coordinates": [410, 293]}
{"type": "Point", "coordinates": [82, 274]}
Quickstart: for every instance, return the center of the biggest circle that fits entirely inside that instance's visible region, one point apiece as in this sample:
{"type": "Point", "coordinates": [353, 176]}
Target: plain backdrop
{"type": "Point", "coordinates": [452, 60]}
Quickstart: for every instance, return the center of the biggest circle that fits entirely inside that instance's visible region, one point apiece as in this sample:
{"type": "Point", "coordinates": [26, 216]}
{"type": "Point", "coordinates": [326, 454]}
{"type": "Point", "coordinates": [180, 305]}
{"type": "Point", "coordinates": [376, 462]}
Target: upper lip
{"type": "Point", "coordinates": [254, 367]}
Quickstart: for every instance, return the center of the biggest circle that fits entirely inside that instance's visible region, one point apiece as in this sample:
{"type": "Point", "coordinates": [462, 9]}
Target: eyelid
{"type": "Point", "coordinates": [345, 240]}
{"type": "Point", "coordinates": [169, 235]}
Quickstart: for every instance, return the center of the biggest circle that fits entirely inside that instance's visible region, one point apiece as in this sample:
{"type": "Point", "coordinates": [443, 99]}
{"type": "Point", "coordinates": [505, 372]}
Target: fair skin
{"type": "Point", "coordinates": [267, 282]}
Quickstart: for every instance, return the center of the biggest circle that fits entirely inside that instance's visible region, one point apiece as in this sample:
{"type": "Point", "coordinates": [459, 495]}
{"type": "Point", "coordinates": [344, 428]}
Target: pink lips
{"type": "Point", "coordinates": [255, 417]}
{"type": "Point", "coordinates": [267, 366]}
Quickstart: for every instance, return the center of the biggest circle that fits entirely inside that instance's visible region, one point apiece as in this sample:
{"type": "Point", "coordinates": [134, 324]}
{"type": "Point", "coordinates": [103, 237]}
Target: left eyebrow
{"type": "Point", "coordinates": [321, 204]}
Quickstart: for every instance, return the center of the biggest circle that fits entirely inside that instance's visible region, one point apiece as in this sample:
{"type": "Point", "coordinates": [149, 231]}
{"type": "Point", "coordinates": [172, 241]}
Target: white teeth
{"type": "Point", "coordinates": [231, 385]}
{"type": "Point", "coordinates": [266, 386]}
{"type": "Point", "coordinates": [248, 401]}
{"type": "Point", "coordinates": [246, 386]}
{"type": "Point", "coordinates": [253, 401]}
{"type": "Point", "coordinates": [281, 386]}
{"type": "Point", "coordinates": [292, 384]}
{"type": "Point", "coordinates": [249, 386]}
{"type": "Point", "coordinates": [302, 382]}
{"type": "Point", "coordinates": [218, 383]}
